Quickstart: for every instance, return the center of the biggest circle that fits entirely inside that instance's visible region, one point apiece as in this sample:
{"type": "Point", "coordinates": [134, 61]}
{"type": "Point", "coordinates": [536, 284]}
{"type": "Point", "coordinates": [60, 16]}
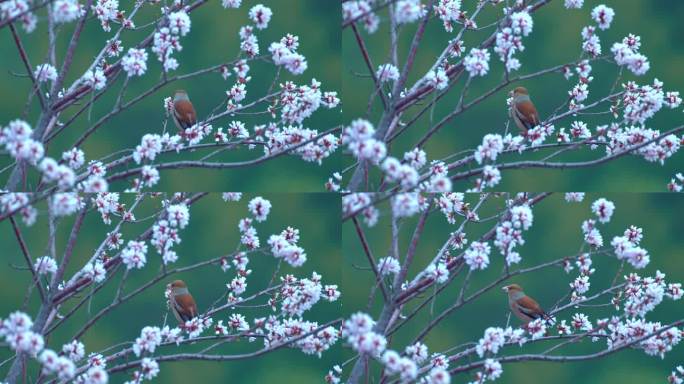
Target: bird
{"type": "Point", "coordinates": [524, 307]}
{"type": "Point", "coordinates": [181, 301]}
{"type": "Point", "coordinates": [522, 110]}
{"type": "Point", "coordinates": [183, 111]}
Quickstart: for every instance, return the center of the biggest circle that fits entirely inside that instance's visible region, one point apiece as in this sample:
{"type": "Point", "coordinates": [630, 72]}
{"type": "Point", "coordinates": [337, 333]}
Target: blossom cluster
{"type": "Point", "coordinates": [452, 205]}
{"type": "Point", "coordinates": [603, 209]}
{"type": "Point", "coordinates": [477, 62]}
{"type": "Point", "coordinates": [409, 11]}
{"type": "Point", "coordinates": [167, 39]}
{"type": "Point", "coordinates": [386, 73]}
{"type": "Point", "coordinates": [135, 62]}
{"type": "Point", "coordinates": [509, 39]}
{"type": "Point", "coordinates": [492, 145]}
{"type": "Point", "coordinates": [578, 322]}
{"type": "Point", "coordinates": [17, 140]}
{"type": "Point", "coordinates": [65, 11]}
{"type": "Point", "coordinates": [152, 337]}
{"type": "Point", "coordinates": [107, 203]}
{"type": "Point", "coordinates": [284, 246]}
{"type": "Point", "coordinates": [677, 376]}
{"type": "Point", "coordinates": [250, 237]}
{"type": "Point", "coordinates": [152, 144]}
{"type": "Point", "coordinates": [107, 11]}
{"type": "Point", "coordinates": [405, 173]}
{"type": "Point", "coordinates": [17, 330]}
{"type": "Point", "coordinates": [628, 331]}
{"type": "Point", "coordinates": [20, 9]}
{"type": "Point", "coordinates": [449, 11]}
{"type": "Point", "coordinates": [353, 202]}
{"type": "Point", "coordinates": [285, 53]}
{"type": "Point", "coordinates": [495, 338]}
{"type": "Point", "coordinates": [408, 204]}
{"type": "Point", "coordinates": [581, 284]}
{"type": "Point", "coordinates": [358, 137]}
{"type": "Point", "coordinates": [643, 294]}
{"type": "Point", "coordinates": [300, 295]}
{"type": "Point", "coordinates": [641, 104]}
{"type": "Point", "coordinates": [299, 103]}
{"type": "Point", "coordinates": [358, 330]}
{"type": "Point", "coordinates": [676, 184]}
{"type": "Point", "coordinates": [283, 331]}
{"type": "Point", "coordinates": [238, 285]}
{"type": "Point", "coordinates": [509, 232]}
{"type": "Point", "coordinates": [165, 231]}
{"type": "Point", "coordinates": [45, 72]}
{"type": "Point", "coordinates": [363, 10]}
{"type": "Point", "coordinates": [477, 255]}
{"type": "Point", "coordinates": [360, 141]}
{"type": "Point", "coordinates": [388, 266]}
{"type": "Point", "coordinates": [44, 265]}
{"type": "Point", "coordinates": [627, 248]}
{"type": "Point", "coordinates": [134, 255]}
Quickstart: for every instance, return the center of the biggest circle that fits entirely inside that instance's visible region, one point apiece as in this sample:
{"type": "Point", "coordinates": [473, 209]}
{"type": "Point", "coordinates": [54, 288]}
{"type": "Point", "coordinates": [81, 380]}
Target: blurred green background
{"type": "Point", "coordinates": [555, 40]}
{"type": "Point", "coordinates": [554, 234]}
{"type": "Point", "coordinates": [212, 232]}
{"type": "Point", "coordinates": [213, 40]}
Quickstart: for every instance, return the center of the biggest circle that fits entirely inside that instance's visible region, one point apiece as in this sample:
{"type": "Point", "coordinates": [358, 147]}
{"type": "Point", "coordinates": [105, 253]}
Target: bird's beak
{"type": "Point", "coordinates": [505, 289]}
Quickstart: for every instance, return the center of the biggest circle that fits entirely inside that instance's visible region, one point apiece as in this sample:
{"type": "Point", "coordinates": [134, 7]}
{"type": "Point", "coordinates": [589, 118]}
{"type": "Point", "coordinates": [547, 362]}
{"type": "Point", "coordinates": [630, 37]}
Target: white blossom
{"type": "Point", "coordinates": [387, 72]}
{"type": "Point", "coordinates": [44, 265]}
{"type": "Point", "coordinates": [135, 62]}
{"type": "Point", "coordinates": [260, 15]}
{"type": "Point", "coordinates": [477, 62]}
{"type": "Point", "coordinates": [603, 16]}
{"type": "Point", "coordinates": [45, 72]}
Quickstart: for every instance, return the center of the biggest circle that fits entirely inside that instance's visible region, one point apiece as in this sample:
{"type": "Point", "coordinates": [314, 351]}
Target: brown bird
{"type": "Point", "coordinates": [522, 110]}
{"type": "Point", "coordinates": [181, 302]}
{"type": "Point", "coordinates": [183, 112]}
{"type": "Point", "coordinates": [523, 306]}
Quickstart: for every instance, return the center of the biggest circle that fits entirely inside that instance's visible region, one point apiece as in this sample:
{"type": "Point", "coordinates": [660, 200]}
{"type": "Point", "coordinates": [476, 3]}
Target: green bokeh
{"type": "Point", "coordinates": [213, 40]}
{"type": "Point", "coordinates": [212, 232]}
{"type": "Point", "coordinates": [555, 40]}
{"type": "Point", "coordinates": [554, 234]}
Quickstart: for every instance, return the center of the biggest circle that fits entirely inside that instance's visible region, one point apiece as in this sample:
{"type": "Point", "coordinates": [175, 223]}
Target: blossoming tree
{"type": "Point", "coordinates": [256, 311]}
{"type": "Point", "coordinates": [587, 126]}
{"type": "Point", "coordinates": [596, 295]}
{"type": "Point", "coordinates": [257, 125]}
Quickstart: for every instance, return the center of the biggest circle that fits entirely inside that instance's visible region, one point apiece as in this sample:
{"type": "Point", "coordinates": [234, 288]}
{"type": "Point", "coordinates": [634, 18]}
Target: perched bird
{"type": "Point", "coordinates": [181, 302]}
{"type": "Point", "coordinates": [183, 112]}
{"type": "Point", "coordinates": [522, 111]}
{"type": "Point", "coordinates": [523, 306]}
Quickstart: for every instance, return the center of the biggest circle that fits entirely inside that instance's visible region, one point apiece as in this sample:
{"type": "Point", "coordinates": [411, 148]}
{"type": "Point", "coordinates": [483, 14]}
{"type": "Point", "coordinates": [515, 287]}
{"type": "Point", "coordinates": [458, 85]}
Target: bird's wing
{"type": "Point", "coordinates": [186, 307]}
{"type": "Point", "coordinates": [521, 120]}
{"type": "Point", "coordinates": [528, 306]}
{"type": "Point", "coordinates": [528, 113]}
{"type": "Point", "coordinates": [522, 316]}
{"type": "Point", "coordinates": [185, 113]}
